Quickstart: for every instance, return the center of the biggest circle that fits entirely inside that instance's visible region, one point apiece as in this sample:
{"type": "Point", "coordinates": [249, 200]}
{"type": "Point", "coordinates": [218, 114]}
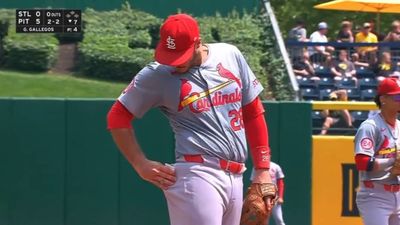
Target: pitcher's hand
{"type": "Point", "coordinates": [161, 175]}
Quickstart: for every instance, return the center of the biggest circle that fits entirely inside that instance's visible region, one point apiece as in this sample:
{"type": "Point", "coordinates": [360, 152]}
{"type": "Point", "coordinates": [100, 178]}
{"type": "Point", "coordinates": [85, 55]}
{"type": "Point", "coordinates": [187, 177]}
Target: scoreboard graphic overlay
{"type": "Point", "coordinates": [48, 21]}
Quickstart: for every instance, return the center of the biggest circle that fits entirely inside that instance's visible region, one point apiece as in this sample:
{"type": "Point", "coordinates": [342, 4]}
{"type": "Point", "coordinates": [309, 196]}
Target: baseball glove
{"type": "Point", "coordinates": [254, 211]}
{"type": "Point", "coordinates": [395, 170]}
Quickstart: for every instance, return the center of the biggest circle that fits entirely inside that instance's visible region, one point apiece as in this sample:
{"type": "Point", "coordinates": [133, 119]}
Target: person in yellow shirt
{"type": "Point", "coordinates": [386, 67]}
{"type": "Point", "coordinates": [366, 36]}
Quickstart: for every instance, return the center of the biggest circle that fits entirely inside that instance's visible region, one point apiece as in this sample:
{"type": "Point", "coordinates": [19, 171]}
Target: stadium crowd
{"type": "Point", "coordinates": [343, 67]}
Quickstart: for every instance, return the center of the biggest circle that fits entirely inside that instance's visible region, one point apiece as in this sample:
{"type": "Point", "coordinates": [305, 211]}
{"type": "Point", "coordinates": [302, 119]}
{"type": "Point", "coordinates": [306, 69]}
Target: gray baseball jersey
{"type": "Point", "coordinates": [377, 139]}
{"type": "Point", "coordinates": [203, 105]}
{"type": "Point", "coordinates": [274, 170]}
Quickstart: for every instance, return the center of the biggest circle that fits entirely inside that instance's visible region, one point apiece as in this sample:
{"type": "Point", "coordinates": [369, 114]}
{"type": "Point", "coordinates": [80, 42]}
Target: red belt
{"type": "Point", "coordinates": [386, 187]}
{"type": "Point", "coordinates": [230, 166]}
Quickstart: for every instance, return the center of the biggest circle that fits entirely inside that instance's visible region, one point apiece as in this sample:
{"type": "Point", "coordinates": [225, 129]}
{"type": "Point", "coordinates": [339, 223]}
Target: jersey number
{"type": "Point", "coordinates": [237, 119]}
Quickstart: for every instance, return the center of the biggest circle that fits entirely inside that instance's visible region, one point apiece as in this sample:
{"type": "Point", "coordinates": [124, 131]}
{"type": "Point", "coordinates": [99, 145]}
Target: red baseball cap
{"type": "Point", "coordinates": [389, 86]}
{"type": "Point", "coordinates": [178, 35]}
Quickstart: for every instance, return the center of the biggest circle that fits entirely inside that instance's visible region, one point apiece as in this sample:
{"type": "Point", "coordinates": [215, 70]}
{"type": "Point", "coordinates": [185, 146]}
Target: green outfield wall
{"type": "Point", "coordinates": [59, 166]}
{"type": "Point", "coordinates": [160, 8]}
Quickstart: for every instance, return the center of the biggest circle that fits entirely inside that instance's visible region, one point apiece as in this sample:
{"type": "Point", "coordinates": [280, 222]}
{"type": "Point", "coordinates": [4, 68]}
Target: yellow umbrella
{"type": "Point", "coordinates": [377, 6]}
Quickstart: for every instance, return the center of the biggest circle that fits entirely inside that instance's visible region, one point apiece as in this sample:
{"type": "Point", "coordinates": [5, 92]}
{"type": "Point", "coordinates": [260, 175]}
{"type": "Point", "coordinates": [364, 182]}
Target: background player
{"type": "Point", "coordinates": [210, 96]}
{"type": "Point", "coordinates": [277, 176]}
{"type": "Point", "coordinates": [376, 144]}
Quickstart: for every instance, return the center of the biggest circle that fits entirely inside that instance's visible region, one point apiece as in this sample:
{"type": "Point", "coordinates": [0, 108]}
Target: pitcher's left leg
{"type": "Point", "coordinates": [194, 199]}
{"type": "Point", "coordinates": [395, 218]}
{"type": "Point", "coordinates": [234, 210]}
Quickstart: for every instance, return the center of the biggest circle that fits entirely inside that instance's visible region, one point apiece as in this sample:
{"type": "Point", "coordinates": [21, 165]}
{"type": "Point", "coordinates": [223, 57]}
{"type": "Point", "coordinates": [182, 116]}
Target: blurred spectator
{"type": "Point", "coordinates": [365, 36]}
{"type": "Point", "coordinates": [345, 34]}
{"type": "Point", "coordinates": [380, 36]}
{"type": "Point", "coordinates": [328, 62]}
{"type": "Point", "coordinates": [302, 67]}
{"type": "Point", "coordinates": [336, 118]}
{"type": "Point", "coordinates": [386, 66]}
{"type": "Point", "coordinates": [394, 36]}
{"type": "Point", "coordinates": [319, 54]}
{"type": "Point", "coordinates": [343, 67]}
{"type": "Point", "coordinates": [297, 34]}
{"type": "Point", "coordinates": [355, 58]}
{"type": "Point", "coordinates": [356, 30]}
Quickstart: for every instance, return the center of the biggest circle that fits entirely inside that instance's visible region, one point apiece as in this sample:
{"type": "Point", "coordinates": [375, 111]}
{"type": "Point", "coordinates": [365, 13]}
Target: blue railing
{"type": "Point", "coordinates": [341, 44]}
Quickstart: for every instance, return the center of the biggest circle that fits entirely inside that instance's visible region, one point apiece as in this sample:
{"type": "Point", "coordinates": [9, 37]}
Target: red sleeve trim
{"type": "Point", "coordinates": [362, 161]}
{"type": "Point", "coordinates": [281, 187]}
{"type": "Point", "coordinates": [257, 134]}
{"type": "Point", "coordinates": [119, 117]}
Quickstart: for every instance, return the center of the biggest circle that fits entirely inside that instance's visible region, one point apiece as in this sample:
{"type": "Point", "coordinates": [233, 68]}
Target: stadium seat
{"type": "Point", "coordinates": [363, 72]}
{"type": "Point", "coordinates": [317, 121]}
{"type": "Point", "coordinates": [321, 72]}
{"type": "Point", "coordinates": [310, 94]}
{"type": "Point", "coordinates": [324, 93]}
{"type": "Point", "coordinates": [306, 82]}
{"type": "Point", "coordinates": [345, 83]}
{"type": "Point", "coordinates": [353, 94]}
{"type": "Point", "coordinates": [359, 117]}
{"type": "Point", "coordinates": [368, 83]}
{"type": "Point", "coordinates": [326, 82]}
{"type": "Point", "coordinates": [368, 94]}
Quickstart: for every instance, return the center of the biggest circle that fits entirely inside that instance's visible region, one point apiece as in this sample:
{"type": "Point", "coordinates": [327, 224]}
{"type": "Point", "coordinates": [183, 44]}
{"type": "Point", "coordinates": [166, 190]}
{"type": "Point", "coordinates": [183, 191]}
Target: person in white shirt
{"type": "Point", "coordinates": [318, 54]}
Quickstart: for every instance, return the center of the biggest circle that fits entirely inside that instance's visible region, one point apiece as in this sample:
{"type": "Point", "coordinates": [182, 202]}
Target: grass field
{"type": "Point", "coordinates": [20, 84]}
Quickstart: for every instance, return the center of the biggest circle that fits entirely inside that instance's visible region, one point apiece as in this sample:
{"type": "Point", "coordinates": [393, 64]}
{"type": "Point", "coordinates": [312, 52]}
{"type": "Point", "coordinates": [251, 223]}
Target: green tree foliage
{"type": "Point", "coordinates": [6, 15]}
{"type": "Point", "coordinates": [274, 65]}
{"type": "Point", "coordinates": [116, 48]}
{"type": "Point", "coordinates": [30, 52]}
{"type": "Point", "coordinates": [244, 31]}
{"type": "Point", "coordinates": [37, 54]}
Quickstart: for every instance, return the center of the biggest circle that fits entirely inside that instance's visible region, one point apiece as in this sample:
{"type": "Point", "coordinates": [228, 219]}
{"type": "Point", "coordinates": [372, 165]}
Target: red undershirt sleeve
{"type": "Point", "coordinates": [119, 117]}
{"type": "Point", "coordinates": [362, 162]}
{"type": "Point", "coordinates": [281, 187]}
{"type": "Point", "coordinates": [257, 133]}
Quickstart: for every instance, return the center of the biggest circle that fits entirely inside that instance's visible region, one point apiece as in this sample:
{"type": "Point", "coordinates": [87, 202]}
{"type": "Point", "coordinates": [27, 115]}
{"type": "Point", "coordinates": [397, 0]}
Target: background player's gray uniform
{"type": "Point", "coordinates": [377, 139]}
{"type": "Point", "coordinates": [276, 173]}
{"type": "Point", "coordinates": [204, 110]}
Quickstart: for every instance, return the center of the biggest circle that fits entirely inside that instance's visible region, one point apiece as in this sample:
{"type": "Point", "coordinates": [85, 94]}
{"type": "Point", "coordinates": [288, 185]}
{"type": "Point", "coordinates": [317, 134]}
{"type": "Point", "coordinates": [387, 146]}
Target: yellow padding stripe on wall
{"type": "Point", "coordinates": [332, 105]}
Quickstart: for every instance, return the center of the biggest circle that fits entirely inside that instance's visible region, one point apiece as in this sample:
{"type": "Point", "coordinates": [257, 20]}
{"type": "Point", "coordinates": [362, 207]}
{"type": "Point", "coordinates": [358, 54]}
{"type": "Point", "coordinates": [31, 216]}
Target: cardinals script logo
{"type": "Point", "coordinates": [200, 101]}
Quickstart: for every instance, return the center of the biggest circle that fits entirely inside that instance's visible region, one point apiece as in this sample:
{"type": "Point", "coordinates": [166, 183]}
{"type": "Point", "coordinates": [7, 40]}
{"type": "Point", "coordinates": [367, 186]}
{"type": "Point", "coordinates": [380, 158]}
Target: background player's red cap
{"type": "Point", "coordinates": [178, 35]}
{"type": "Point", "coordinates": [389, 86]}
